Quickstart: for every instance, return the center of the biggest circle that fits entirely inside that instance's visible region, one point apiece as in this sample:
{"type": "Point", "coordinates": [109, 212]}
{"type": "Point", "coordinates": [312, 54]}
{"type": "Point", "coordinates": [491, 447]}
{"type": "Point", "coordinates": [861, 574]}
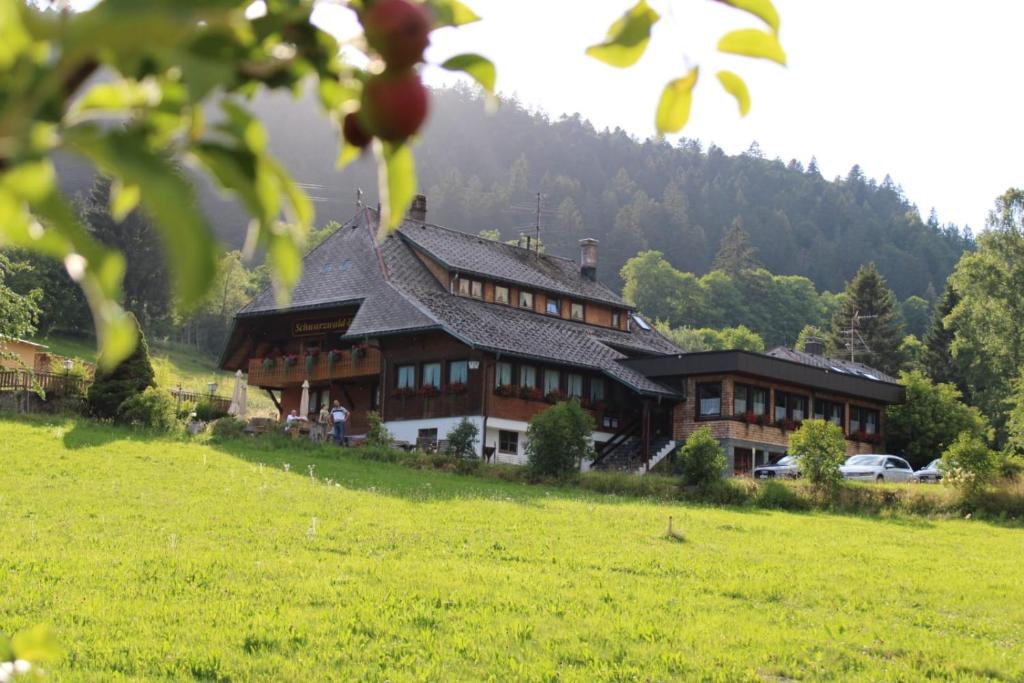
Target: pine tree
{"type": "Point", "coordinates": [938, 357]}
{"type": "Point", "coordinates": [878, 331]}
{"type": "Point", "coordinates": [134, 374]}
{"type": "Point", "coordinates": [735, 255]}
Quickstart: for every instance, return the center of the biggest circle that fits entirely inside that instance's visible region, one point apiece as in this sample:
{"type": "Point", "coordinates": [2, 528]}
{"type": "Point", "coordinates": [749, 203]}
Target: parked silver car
{"type": "Point", "coordinates": [784, 469]}
{"type": "Point", "coordinates": [932, 472]}
{"type": "Point", "coordinates": [877, 468]}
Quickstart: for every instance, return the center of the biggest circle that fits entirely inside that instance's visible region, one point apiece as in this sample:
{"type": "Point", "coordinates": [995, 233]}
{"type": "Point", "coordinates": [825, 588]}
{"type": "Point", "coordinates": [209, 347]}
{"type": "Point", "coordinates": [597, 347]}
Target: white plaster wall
{"type": "Point", "coordinates": [496, 424]}
{"type": "Point", "coordinates": [408, 430]}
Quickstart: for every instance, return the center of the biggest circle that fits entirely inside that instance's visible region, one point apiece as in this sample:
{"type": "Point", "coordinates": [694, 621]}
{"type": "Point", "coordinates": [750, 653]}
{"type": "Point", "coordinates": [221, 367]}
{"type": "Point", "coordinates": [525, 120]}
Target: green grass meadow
{"type": "Point", "coordinates": [155, 558]}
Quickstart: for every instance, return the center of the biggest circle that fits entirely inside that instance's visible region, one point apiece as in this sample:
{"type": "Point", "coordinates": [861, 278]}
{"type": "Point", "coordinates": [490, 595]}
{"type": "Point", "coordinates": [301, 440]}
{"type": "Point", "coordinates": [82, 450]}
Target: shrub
{"type": "Point", "coordinates": [377, 435]}
{"type": "Point", "coordinates": [725, 492]}
{"type": "Point", "coordinates": [228, 428]}
{"type": "Point", "coordinates": [468, 465]}
{"type": "Point", "coordinates": [462, 439]}
{"type": "Point", "coordinates": [624, 484]}
{"type": "Point", "coordinates": [559, 438]}
{"type": "Point", "coordinates": [968, 464]}
{"type": "Point", "coordinates": [701, 460]}
{"type": "Point", "coordinates": [208, 411]}
{"type": "Point", "coordinates": [131, 377]}
{"type": "Point", "coordinates": [152, 409]}
{"type": "Point", "coordinates": [778, 496]}
{"type": "Point", "coordinates": [820, 448]}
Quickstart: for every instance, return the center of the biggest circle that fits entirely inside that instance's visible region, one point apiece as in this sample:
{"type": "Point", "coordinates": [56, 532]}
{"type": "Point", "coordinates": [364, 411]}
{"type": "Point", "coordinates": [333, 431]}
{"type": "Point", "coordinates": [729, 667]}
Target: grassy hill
{"type": "Point", "coordinates": [156, 558]}
{"type": "Point", "coordinates": [174, 365]}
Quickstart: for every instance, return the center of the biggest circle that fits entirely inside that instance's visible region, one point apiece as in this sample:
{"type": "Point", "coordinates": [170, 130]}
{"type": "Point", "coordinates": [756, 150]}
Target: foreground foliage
{"type": "Point", "coordinates": [245, 560]}
{"type": "Point", "coordinates": [820, 448]}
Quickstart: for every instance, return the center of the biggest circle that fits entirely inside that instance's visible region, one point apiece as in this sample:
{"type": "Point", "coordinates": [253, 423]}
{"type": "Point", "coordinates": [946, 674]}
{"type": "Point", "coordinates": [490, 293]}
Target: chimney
{"type": "Point", "coordinates": [588, 258]}
{"type": "Point", "coordinates": [814, 346]}
{"type": "Point", "coordinates": [418, 209]}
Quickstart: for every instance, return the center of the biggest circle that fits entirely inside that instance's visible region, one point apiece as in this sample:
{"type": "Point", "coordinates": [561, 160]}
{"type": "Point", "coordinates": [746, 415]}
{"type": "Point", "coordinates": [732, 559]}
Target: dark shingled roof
{"type": "Point", "coordinates": [846, 367]}
{"type": "Point", "coordinates": [506, 262]}
{"type": "Point", "coordinates": [397, 293]}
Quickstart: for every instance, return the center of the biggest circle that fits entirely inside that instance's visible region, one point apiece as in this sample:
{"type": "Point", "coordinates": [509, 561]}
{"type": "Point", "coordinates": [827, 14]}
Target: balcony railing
{"type": "Point", "coordinates": [346, 364]}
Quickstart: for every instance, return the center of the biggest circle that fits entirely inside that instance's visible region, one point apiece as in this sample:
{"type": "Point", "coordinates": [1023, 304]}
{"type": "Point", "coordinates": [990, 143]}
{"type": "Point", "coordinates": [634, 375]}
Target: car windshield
{"type": "Point", "coordinates": [933, 465]}
{"type": "Point", "coordinates": [865, 460]}
{"type": "Point", "coordinates": [788, 460]}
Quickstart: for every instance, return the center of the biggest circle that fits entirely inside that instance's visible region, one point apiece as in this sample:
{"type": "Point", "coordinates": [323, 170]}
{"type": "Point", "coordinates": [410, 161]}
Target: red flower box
{"type": "Point", "coordinates": [531, 393]}
{"type": "Point", "coordinates": [455, 388]}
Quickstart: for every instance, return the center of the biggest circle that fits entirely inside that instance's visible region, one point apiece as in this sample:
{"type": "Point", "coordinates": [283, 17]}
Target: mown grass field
{"type": "Point", "coordinates": [156, 558]}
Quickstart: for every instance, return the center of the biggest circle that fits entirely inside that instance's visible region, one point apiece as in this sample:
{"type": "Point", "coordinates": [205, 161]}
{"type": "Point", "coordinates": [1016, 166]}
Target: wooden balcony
{"type": "Point", "coordinates": [282, 374]}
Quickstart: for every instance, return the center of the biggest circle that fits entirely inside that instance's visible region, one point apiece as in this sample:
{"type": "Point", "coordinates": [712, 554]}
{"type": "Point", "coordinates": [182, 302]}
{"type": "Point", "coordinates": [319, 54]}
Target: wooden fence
{"type": "Point", "coordinates": [220, 403]}
{"type": "Point", "coordinates": [50, 382]}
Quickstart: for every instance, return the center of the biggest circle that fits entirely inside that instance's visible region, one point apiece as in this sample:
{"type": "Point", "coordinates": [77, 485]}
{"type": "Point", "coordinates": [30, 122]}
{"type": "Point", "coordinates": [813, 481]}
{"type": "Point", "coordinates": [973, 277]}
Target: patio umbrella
{"type": "Point", "coordinates": [238, 397]}
{"type": "Point", "coordinates": [304, 401]}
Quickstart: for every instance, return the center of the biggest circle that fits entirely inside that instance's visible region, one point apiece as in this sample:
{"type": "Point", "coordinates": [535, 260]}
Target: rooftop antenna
{"type": "Point", "coordinates": [855, 342]}
{"type": "Point", "coordinates": [539, 212]}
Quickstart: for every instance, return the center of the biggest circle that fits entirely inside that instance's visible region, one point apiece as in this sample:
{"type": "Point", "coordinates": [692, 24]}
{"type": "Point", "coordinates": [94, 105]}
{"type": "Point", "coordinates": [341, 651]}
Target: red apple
{"type": "Point", "coordinates": [353, 131]}
{"type": "Point", "coordinates": [399, 30]}
{"type": "Point", "coordinates": [394, 105]}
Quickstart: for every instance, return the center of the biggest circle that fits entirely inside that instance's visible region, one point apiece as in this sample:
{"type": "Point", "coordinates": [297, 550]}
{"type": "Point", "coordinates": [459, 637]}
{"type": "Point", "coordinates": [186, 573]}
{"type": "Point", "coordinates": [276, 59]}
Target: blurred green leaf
{"type": "Point", "coordinates": [13, 37]}
{"type": "Point", "coordinates": [674, 105]}
{"type": "Point", "coordinates": [347, 154]}
{"type": "Point", "coordinates": [396, 173]}
{"type": "Point", "coordinates": [122, 94]}
{"type": "Point", "coordinates": [451, 13]}
{"type": "Point", "coordinates": [123, 199]}
{"type": "Point", "coordinates": [762, 9]}
{"type": "Point", "coordinates": [167, 198]}
{"type": "Point", "coordinates": [37, 644]}
{"type": "Point", "coordinates": [752, 42]}
{"type": "Point", "coordinates": [286, 259]}
{"type": "Point", "coordinates": [735, 86]}
{"type": "Point", "coordinates": [479, 68]}
{"type": "Point", "coordinates": [627, 38]}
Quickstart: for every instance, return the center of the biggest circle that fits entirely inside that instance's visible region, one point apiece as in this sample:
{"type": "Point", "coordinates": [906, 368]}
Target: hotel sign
{"type": "Point", "coordinates": [314, 326]}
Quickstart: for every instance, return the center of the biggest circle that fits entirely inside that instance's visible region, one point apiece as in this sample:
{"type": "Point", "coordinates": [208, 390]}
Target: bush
{"type": "Point", "coordinates": [968, 464]}
{"type": "Point", "coordinates": [208, 411]}
{"type": "Point", "coordinates": [559, 439]}
{"type": "Point", "coordinates": [1011, 466]}
{"type": "Point", "coordinates": [377, 435]}
{"type": "Point", "coordinates": [820, 448]}
{"type": "Point", "coordinates": [701, 460]}
{"type": "Point", "coordinates": [152, 409]}
{"type": "Point", "coordinates": [110, 389]}
{"type": "Point", "coordinates": [228, 428]}
{"type": "Point", "coordinates": [462, 439]}
{"type": "Point", "coordinates": [778, 496]}
{"type": "Point", "coordinates": [624, 484]}
{"type": "Point", "coordinates": [726, 492]}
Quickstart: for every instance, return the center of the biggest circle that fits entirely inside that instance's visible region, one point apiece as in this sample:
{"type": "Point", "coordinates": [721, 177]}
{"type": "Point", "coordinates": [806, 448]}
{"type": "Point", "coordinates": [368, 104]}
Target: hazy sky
{"type": "Point", "coordinates": [925, 90]}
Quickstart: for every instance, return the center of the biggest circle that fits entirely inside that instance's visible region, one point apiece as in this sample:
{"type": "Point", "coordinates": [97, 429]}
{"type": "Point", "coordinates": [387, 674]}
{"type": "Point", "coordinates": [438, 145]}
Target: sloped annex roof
{"type": "Point", "coordinates": [396, 293]}
{"type": "Point", "coordinates": [839, 365]}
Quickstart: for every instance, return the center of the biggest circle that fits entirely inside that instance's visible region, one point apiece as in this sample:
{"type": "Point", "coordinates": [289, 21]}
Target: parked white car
{"type": "Point", "coordinates": [786, 468]}
{"type": "Point", "coordinates": [877, 468]}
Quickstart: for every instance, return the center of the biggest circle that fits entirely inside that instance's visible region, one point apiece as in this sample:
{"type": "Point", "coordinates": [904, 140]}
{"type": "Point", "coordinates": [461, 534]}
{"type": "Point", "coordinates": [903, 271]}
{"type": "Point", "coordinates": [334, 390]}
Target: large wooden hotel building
{"type": "Point", "coordinates": [432, 325]}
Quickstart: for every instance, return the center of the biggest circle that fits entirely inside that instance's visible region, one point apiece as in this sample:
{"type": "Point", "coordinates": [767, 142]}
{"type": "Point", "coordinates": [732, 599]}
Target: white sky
{"type": "Point", "coordinates": [925, 90]}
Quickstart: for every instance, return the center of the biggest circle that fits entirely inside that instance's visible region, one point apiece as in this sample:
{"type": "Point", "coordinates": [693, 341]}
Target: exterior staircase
{"type": "Point", "coordinates": [627, 455]}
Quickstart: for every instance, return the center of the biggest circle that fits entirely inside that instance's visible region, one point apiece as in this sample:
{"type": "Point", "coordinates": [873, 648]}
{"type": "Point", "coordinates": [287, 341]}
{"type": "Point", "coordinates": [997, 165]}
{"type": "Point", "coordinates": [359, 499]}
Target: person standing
{"type": "Point", "coordinates": [323, 423]}
{"type": "Point", "coordinates": [339, 415]}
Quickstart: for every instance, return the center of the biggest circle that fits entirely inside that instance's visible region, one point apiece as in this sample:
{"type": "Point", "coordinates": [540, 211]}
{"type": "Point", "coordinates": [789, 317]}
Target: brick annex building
{"type": "Point", "coordinates": [433, 325]}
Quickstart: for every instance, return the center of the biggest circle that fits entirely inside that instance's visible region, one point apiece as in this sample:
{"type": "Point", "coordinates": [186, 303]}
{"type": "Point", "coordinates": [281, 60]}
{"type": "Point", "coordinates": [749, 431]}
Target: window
{"type": "Point", "coordinates": [526, 300]}
{"type": "Point", "coordinates": [709, 399]}
{"type": "Point", "coordinates": [551, 381]}
{"type": "Point", "coordinates": [503, 374]}
{"type": "Point", "coordinates": [463, 287]}
{"type": "Point", "coordinates": [508, 442]}
{"type": "Point", "coordinates": [500, 294]}
{"type": "Point", "coordinates": [641, 322]}
{"type": "Point", "coordinates": [616, 319]}
{"type": "Point", "coordinates": [476, 289]}
{"type": "Point", "coordinates": [863, 420]}
{"type": "Point", "coordinates": [406, 376]}
{"type": "Point", "coordinates": [749, 399]}
{"type": "Point", "coordinates": [576, 311]}
{"type": "Point", "coordinates": [528, 376]}
{"type": "Point", "coordinates": [432, 375]}
{"type": "Point", "coordinates": [828, 410]}
{"type": "Point", "coordinates": [574, 385]}
{"type": "Point", "coordinates": [553, 307]}
{"type": "Point", "coordinates": [790, 406]}
{"type": "Point", "coordinates": [426, 438]}
{"type": "Point", "coordinates": [596, 390]}
{"type": "Point", "coordinates": [458, 372]}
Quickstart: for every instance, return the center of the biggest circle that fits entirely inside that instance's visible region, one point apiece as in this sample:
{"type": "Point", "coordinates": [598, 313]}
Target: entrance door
{"type": "Point", "coordinates": [742, 460]}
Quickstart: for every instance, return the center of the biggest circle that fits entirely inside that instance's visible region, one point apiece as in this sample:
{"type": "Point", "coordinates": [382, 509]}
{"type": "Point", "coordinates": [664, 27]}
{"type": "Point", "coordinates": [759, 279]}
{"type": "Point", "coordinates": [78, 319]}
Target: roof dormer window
{"type": "Point", "coordinates": [553, 306]}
